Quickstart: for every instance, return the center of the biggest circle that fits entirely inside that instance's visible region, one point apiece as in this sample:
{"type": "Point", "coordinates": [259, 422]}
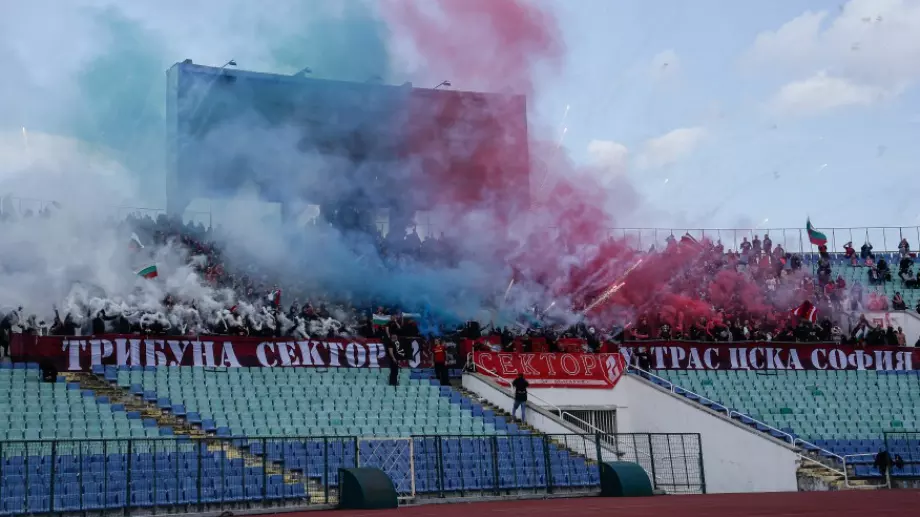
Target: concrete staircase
{"type": "Point", "coordinates": [498, 411]}
{"type": "Point", "coordinates": [559, 441]}
{"type": "Point", "coordinates": [816, 476]}
{"type": "Point", "coordinates": [181, 427]}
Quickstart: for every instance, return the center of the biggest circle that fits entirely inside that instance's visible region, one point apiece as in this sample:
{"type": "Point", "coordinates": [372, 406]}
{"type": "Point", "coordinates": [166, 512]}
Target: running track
{"type": "Point", "coordinates": [876, 503]}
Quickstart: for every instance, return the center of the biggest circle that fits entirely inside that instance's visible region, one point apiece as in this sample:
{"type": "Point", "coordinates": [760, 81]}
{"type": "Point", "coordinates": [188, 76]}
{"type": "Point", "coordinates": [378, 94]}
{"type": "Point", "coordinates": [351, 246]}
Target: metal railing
{"type": "Point", "coordinates": [731, 414]}
{"type": "Point", "coordinates": [906, 445]}
{"type": "Point", "coordinates": [22, 206]}
{"type": "Point", "coordinates": [532, 464]}
{"type": "Point", "coordinates": [793, 240]}
{"type": "Point", "coordinates": [848, 478]}
{"type": "Point", "coordinates": [181, 474]}
{"type": "Point", "coordinates": [543, 403]}
{"type": "Point", "coordinates": [608, 444]}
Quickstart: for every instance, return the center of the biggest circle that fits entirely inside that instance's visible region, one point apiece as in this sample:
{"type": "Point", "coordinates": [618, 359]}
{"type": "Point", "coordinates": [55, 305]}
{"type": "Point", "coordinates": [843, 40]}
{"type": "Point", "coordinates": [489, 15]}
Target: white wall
{"type": "Point", "coordinates": [907, 320]}
{"type": "Point", "coordinates": [574, 398]}
{"type": "Point", "coordinates": [735, 457]}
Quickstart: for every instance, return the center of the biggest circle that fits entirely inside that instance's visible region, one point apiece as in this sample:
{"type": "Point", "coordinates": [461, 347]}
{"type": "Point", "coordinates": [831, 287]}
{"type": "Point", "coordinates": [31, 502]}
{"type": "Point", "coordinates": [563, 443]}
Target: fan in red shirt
{"type": "Point", "coordinates": [440, 362]}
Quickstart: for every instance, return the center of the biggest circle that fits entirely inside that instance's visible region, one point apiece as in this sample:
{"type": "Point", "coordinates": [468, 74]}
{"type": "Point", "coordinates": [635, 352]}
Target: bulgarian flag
{"type": "Point", "coordinates": [274, 297]}
{"type": "Point", "coordinates": [814, 236]}
{"type": "Point", "coordinates": [380, 320]}
{"type": "Point", "coordinates": [148, 272]}
{"type": "Point", "coordinates": [806, 311]}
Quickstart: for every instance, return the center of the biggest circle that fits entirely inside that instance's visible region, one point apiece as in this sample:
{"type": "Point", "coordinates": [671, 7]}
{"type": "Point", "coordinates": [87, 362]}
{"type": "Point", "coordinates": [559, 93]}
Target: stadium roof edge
{"type": "Point", "coordinates": [282, 78]}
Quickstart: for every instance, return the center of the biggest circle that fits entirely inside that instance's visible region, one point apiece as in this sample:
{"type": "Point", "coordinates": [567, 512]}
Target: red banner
{"type": "Point", "coordinates": [553, 370]}
{"type": "Point", "coordinates": [81, 353]}
{"type": "Point", "coordinates": [676, 355]}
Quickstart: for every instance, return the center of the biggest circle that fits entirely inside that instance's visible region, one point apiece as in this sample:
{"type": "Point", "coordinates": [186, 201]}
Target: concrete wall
{"type": "Point", "coordinates": [735, 457]}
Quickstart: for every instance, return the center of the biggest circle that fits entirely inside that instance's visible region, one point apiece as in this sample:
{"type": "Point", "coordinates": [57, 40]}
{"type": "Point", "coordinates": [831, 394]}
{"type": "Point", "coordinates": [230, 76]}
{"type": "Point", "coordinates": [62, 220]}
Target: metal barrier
{"type": "Point", "coordinates": [502, 465]}
{"type": "Point", "coordinates": [855, 461]}
{"type": "Point", "coordinates": [793, 240]}
{"type": "Point", "coordinates": [182, 474]}
{"type": "Point", "coordinates": [906, 445]}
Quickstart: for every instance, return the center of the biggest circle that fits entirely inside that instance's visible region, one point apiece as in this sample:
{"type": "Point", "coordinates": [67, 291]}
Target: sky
{"type": "Point", "coordinates": [765, 110]}
{"type": "Point", "coordinates": [753, 114]}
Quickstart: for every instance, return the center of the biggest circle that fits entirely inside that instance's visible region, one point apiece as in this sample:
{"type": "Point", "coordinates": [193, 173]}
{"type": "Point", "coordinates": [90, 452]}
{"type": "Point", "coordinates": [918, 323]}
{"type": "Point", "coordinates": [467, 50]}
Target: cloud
{"type": "Point", "coordinates": [671, 147]}
{"type": "Point", "coordinates": [869, 42]}
{"type": "Point", "coordinates": [609, 155]}
{"type": "Point", "coordinates": [822, 92]}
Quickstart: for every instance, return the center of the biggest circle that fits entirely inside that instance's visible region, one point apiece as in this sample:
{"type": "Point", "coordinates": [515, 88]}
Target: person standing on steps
{"type": "Point", "coordinates": [520, 396]}
{"type": "Point", "coordinates": [440, 362]}
{"type": "Point", "coordinates": [392, 350]}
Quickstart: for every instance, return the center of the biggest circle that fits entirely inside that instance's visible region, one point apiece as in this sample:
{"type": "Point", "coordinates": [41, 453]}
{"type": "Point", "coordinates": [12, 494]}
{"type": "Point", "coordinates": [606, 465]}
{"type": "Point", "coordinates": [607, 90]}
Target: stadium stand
{"type": "Point", "coordinates": [842, 266]}
{"type": "Point", "coordinates": [309, 423]}
{"type": "Point", "coordinates": [119, 459]}
{"type": "Point", "coordinates": [840, 412]}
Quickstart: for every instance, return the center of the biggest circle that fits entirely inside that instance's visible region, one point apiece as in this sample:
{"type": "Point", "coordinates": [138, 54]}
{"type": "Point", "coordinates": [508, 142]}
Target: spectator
{"type": "Point", "coordinates": [897, 302]}
{"type": "Point", "coordinates": [902, 339]}
{"type": "Point", "coordinates": [898, 462]}
{"type": "Point", "coordinates": [755, 246]}
{"type": "Point", "coordinates": [865, 251]}
{"type": "Point", "coordinates": [904, 249]}
{"type": "Point", "coordinates": [822, 251]}
{"type": "Point", "coordinates": [883, 462]}
{"type": "Point", "coordinates": [848, 251]}
{"type": "Point", "coordinates": [99, 324]}
{"type": "Point", "coordinates": [906, 273]}
{"type": "Point", "coordinates": [520, 385]}
{"type": "Point", "coordinates": [884, 272]}
{"type": "Point", "coordinates": [439, 355]}
{"type": "Point", "coordinates": [861, 329]}
{"type": "Point", "coordinates": [392, 345]}
{"type": "Point", "coordinates": [48, 371]}
{"type": "Point", "coordinates": [891, 337]}
{"type": "Point", "coordinates": [745, 247]}
{"type": "Point", "coordinates": [767, 244]}
{"type": "Point", "coordinates": [873, 274]}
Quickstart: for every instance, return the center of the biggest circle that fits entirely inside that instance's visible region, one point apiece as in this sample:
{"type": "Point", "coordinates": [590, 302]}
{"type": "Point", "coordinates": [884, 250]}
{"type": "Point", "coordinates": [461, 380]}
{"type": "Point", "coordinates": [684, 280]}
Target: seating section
{"type": "Point", "coordinates": [841, 266]}
{"type": "Point", "coordinates": [306, 402]}
{"type": "Point", "coordinates": [34, 410]}
{"type": "Point", "coordinates": [288, 408]}
{"type": "Point", "coordinates": [307, 423]}
{"type": "Point", "coordinates": [126, 464]}
{"type": "Point", "coordinates": [844, 412]}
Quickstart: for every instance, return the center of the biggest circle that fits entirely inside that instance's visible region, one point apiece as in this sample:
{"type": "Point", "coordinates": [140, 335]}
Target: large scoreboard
{"type": "Point", "coordinates": [327, 141]}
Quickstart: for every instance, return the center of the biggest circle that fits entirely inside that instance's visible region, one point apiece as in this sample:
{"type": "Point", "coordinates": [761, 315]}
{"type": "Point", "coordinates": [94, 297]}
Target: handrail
{"type": "Point", "coordinates": [471, 360]}
{"type": "Point", "coordinates": [729, 413]}
{"type": "Point", "coordinates": [846, 474]}
{"type": "Point", "coordinates": [562, 414]}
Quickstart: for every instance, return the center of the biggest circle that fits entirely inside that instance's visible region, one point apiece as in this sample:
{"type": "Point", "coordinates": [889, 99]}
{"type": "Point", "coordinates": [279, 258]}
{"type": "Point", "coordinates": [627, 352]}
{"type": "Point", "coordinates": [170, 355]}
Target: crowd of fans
{"type": "Point", "coordinates": [258, 307]}
{"type": "Point", "coordinates": [781, 278]}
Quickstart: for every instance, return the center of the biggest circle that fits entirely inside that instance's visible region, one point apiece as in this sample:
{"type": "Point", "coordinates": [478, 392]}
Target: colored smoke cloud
{"type": "Point", "coordinates": [89, 73]}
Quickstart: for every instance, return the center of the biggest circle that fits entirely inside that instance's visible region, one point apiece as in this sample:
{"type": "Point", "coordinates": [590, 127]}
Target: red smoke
{"type": "Point", "coordinates": [485, 45]}
{"type": "Point", "coordinates": [562, 237]}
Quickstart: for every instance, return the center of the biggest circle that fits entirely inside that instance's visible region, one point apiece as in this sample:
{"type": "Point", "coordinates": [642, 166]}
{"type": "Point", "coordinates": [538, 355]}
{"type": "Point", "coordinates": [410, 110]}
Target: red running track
{"type": "Point", "coordinates": [875, 503]}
